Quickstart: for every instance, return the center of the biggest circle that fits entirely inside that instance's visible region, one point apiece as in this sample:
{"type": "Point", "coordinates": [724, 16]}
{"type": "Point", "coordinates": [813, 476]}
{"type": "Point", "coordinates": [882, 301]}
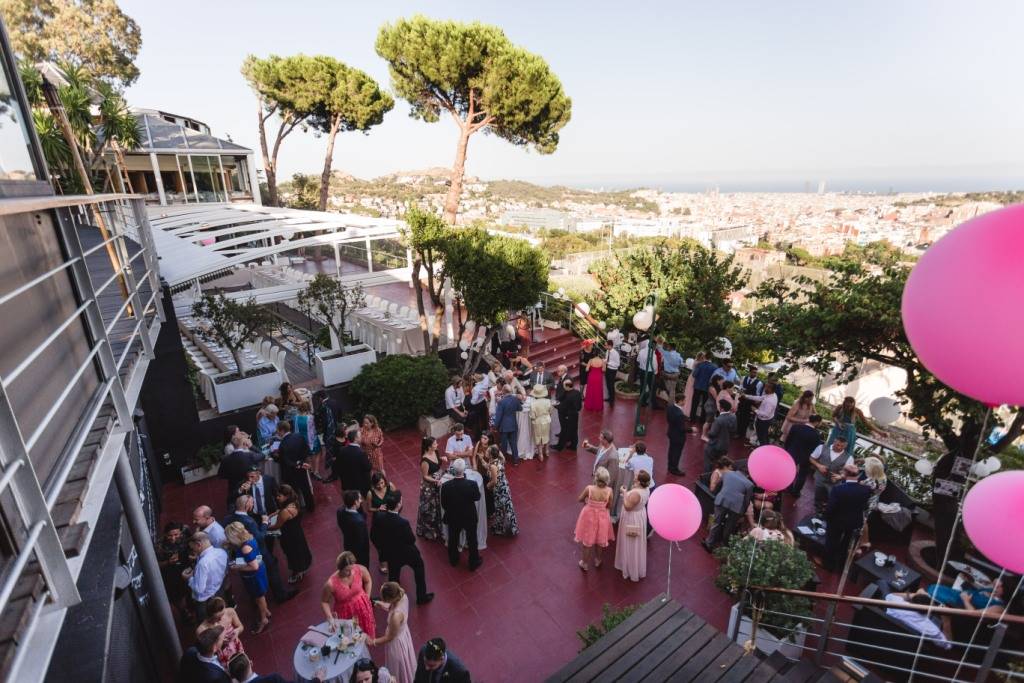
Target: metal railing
{"type": "Point", "coordinates": [131, 323]}
{"type": "Point", "coordinates": [826, 638]}
{"type": "Point", "coordinates": [567, 313]}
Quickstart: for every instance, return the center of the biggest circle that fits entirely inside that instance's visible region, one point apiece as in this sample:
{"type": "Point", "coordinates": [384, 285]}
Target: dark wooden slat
{"type": "Point", "coordinates": [72, 538]}
{"type": "Point", "coordinates": [762, 674]}
{"type": "Point", "coordinates": [725, 661]}
{"type": "Point", "coordinates": [569, 671]}
{"type": "Point", "coordinates": [15, 617]}
{"type": "Point", "coordinates": [802, 671]}
{"type": "Point", "coordinates": [65, 513]}
{"type": "Point", "coordinates": [626, 662]}
{"type": "Point", "coordinates": [741, 669]}
{"type": "Point", "coordinates": [694, 669]}
{"type": "Point", "coordinates": [628, 644]}
{"type": "Point", "coordinates": [667, 646]}
{"type": "Point", "coordinates": [667, 668]}
{"type": "Point", "coordinates": [72, 491]}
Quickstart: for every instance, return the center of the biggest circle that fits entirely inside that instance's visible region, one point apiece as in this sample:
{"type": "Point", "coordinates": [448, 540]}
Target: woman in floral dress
{"type": "Point", "coordinates": [502, 521]}
{"type": "Point", "coordinates": [371, 438]}
{"type": "Point", "coordinates": [219, 614]}
{"type": "Point", "coordinates": [428, 518]}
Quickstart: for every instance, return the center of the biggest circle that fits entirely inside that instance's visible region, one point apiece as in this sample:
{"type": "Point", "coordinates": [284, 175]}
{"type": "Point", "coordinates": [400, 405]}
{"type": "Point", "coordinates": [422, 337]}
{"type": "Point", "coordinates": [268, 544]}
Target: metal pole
{"type": "Point", "coordinates": [129, 493]}
{"type": "Point", "coordinates": [639, 428]}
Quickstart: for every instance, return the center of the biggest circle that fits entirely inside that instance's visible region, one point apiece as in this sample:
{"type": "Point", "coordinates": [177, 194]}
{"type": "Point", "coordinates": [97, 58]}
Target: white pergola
{"type": "Point", "coordinates": [198, 241]}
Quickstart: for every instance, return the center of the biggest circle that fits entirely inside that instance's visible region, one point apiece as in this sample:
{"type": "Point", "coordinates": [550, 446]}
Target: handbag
{"type": "Point", "coordinates": [633, 530]}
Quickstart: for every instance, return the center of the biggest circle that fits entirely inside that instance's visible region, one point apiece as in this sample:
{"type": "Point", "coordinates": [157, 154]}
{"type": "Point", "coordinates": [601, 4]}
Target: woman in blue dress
{"type": "Point", "coordinates": [247, 561]}
{"type": "Point", "coordinates": [986, 599]}
{"type": "Point", "coordinates": [844, 423]}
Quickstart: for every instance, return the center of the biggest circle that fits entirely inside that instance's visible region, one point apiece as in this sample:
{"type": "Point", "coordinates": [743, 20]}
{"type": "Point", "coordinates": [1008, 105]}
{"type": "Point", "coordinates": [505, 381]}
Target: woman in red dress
{"type": "Point", "coordinates": [594, 398]}
{"type": "Point", "coordinates": [346, 595]}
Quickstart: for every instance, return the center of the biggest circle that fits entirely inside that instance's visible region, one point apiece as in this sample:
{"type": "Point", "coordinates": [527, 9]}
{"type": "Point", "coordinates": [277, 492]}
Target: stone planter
{"type": "Point", "coordinates": [790, 647]}
{"type": "Point", "coordinates": [240, 393]}
{"type": "Point", "coordinates": [332, 368]}
{"type": "Point", "coordinates": [190, 475]}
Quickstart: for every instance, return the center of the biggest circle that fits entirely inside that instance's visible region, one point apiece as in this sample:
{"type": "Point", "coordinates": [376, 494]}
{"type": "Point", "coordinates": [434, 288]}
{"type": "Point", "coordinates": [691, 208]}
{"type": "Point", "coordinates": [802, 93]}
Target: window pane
{"type": "Point", "coordinates": [15, 159]}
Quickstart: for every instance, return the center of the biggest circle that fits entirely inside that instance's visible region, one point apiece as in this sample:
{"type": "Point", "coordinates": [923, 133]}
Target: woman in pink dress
{"type": "Point", "coordinates": [219, 614]}
{"type": "Point", "coordinates": [346, 595]}
{"type": "Point", "coordinates": [594, 525]}
{"type": "Point", "coordinates": [399, 652]}
{"type": "Point", "coordinates": [594, 400]}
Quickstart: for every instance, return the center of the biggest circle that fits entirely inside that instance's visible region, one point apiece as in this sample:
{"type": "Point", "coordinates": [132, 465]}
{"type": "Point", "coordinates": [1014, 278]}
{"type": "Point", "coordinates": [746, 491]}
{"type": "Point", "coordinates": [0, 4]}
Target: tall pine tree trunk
{"type": "Point", "coordinates": [325, 177]}
{"type": "Point", "coordinates": [417, 265]}
{"type": "Point", "coordinates": [268, 166]}
{"type": "Point", "coordinates": [451, 202]}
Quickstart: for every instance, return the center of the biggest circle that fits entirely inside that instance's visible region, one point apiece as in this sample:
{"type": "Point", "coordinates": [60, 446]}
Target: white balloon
{"type": "Point", "coordinates": [689, 364]}
{"type": "Point", "coordinates": [993, 464]}
{"type": "Point", "coordinates": [463, 344]}
{"type": "Point", "coordinates": [724, 348]}
{"type": "Point", "coordinates": [980, 470]}
{"type": "Point", "coordinates": [471, 325]}
{"type": "Point", "coordinates": [884, 410]}
{"type": "Point", "coordinates": [464, 355]}
{"type": "Point", "coordinates": [643, 319]}
{"type": "Point", "coordinates": [584, 307]}
{"type": "Point", "coordinates": [924, 467]}
{"type": "Point", "coordinates": [510, 328]}
{"type": "Point", "coordinates": [601, 325]}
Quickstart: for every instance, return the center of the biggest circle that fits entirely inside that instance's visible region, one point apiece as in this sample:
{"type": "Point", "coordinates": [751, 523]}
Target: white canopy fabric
{"type": "Point", "coordinates": [197, 241]}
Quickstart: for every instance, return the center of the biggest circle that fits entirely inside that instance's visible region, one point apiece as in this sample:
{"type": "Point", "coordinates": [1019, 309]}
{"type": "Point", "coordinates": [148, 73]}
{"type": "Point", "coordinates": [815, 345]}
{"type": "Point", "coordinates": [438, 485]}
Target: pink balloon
{"type": "Point", "coordinates": [993, 516]}
{"type": "Point", "coordinates": [771, 468]}
{"type": "Point", "coordinates": [962, 307]}
{"type": "Point", "coordinates": [674, 512]}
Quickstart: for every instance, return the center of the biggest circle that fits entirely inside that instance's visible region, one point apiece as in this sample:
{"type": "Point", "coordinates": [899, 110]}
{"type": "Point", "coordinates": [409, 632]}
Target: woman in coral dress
{"type": "Point", "coordinates": [399, 652]}
{"type": "Point", "coordinates": [371, 438]}
{"type": "Point", "coordinates": [219, 614]}
{"type": "Point", "coordinates": [594, 400]}
{"type": "Point", "coordinates": [594, 525]}
{"type": "Point", "coordinates": [346, 595]}
{"type": "Point", "coordinates": [631, 544]}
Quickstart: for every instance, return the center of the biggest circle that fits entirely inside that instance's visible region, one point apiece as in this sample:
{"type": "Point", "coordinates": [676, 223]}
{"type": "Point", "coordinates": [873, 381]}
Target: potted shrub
{"type": "Point", "coordinates": [204, 464]}
{"type": "Point", "coordinates": [400, 389]}
{"type": "Point", "coordinates": [610, 618]}
{"type": "Point", "coordinates": [775, 565]}
{"type": "Point", "coordinates": [329, 300]}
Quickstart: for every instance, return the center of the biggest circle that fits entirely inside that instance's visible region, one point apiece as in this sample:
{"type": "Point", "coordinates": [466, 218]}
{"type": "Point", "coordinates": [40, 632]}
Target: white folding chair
{"type": "Point", "coordinates": [372, 300]}
{"type": "Point", "coordinates": [403, 312]}
{"type": "Point", "coordinates": [393, 308]}
{"type": "Point", "coordinates": [265, 348]}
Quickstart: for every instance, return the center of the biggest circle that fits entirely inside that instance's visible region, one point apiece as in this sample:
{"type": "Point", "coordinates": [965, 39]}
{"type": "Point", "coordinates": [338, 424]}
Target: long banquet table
{"type": "Point", "coordinates": [386, 333]}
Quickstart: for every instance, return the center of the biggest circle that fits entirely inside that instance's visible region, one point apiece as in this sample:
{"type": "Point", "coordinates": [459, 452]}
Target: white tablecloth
{"type": "Point", "coordinates": [391, 335]}
{"type": "Point", "coordinates": [337, 671]}
{"type": "Point", "coordinates": [481, 512]}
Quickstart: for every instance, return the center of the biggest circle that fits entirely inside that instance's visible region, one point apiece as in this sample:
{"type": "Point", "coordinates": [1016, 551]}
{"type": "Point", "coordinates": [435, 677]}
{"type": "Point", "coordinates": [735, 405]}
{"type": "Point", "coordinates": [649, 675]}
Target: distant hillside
{"type": "Point", "coordinates": [958, 198]}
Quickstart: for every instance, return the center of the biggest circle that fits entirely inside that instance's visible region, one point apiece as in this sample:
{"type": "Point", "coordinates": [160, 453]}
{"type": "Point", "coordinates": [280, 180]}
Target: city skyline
{"type": "Point", "coordinates": [869, 97]}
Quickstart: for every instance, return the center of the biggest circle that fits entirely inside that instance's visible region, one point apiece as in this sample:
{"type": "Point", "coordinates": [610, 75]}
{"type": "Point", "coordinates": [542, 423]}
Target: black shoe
{"type": "Point", "coordinates": [556, 448]}
{"type": "Point", "coordinates": [425, 599]}
{"type": "Point", "coordinates": [287, 596]}
{"type": "Point", "coordinates": [677, 473]}
{"type": "Point", "coordinates": [454, 563]}
{"type": "Point", "coordinates": [473, 566]}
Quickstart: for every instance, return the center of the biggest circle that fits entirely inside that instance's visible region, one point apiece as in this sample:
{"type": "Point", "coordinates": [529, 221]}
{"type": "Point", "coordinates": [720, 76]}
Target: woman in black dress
{"type": "Point", "coordinates": [293, 538]}
{"type": "Point", "coordinates": [428, 518]}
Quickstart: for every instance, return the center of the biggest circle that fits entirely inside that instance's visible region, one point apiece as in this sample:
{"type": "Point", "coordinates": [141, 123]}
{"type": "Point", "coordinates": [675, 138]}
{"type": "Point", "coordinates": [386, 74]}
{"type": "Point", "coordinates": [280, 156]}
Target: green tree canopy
{"type": "Point", "coordinates": [692, 283]}
{"type": "Point", "coordinates": [354, 102]}
{"type": "Point", "coordinates": [481, 79]}
{"type": "Point", "coordinates": [94, 35]}
{"type": "Point", "coordinates": [331, 301]}
{"type": "Point", "coordinates": [291, 88]}
{"type": "Point", "coordinates": [852, 317]}
{"type": "Point", "coordinates": [427, 235]}
{"type": "Point", "coordinates": [230, 323]}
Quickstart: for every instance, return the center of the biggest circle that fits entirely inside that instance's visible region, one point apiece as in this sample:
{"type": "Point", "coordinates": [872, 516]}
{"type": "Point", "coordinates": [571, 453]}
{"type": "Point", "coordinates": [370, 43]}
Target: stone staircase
{"type": "Point", "coordinates": [558, 347]}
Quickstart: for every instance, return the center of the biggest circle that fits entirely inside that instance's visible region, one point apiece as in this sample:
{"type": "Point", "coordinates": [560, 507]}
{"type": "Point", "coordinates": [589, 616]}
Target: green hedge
{"type": "Point", "coordinates": [399, 389]}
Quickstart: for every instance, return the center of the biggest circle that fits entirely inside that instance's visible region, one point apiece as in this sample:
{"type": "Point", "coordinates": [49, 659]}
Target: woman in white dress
{"type": "Point", "coordinates": [525, 431]}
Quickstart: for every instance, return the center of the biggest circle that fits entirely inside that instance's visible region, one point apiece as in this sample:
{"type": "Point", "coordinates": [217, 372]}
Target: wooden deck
{"type": "Point", "coordinates": [664, 641]}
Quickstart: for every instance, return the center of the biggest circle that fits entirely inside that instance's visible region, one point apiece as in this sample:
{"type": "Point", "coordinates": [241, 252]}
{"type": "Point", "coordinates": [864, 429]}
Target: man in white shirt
{"type": "Point", "coordinates": [611, 369]}
{"type": "Point", "coordinates": [203, 519]}
{"type": "Point", "coordinates": [912, 619]}
{"type": "Point", "coordinates": [639, 461]}
{"type": "Point", "coordinates": [764, 416]}
{"type": "Point", "coordinates": [453, 400]}
{"type": "Point", "coordinates": [211, 567]}
{"type": "Point", "coordinates": [829, 465]}
{"type": "Point", "coordinates": [458, 443]}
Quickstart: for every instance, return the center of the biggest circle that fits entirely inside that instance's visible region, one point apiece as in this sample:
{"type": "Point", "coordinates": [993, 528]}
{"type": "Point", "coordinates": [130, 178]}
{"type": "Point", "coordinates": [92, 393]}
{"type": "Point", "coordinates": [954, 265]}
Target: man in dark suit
{"type": "Point", "coordinates": [539, 376]}
{"type": "Point", "coordinates": [844, 516]}
{"type": "Point", "coordinates": [244, 515]}
{"type": "Point", "coordinates": [569, 407]}
{"type": "Point", "coordinates": [730, 505]}
{"type": "Point", "coordinates": [458, 500]}
{"type": "Point", "coordinates": [354, 532]}
{"type": "Point", "coordinates": [676, 434]}
{"type": "Point", "coordinates": [292, 454]}
{"type": "Point", "coordinates": [263, 489]}
{"type": "Point", "coordinates": [199, 663]}
{"type": "Point", "coordinates": [506, 424]}
{"type": "Point", "coordinates": [435, 664]}
{"type": "Point", "coordinates": [800, 443]}
{"type": "Point", "coordinates": [235, 466]}
{"type": "Point", "coordinates": [351, 464]}
{"type": "Point", "coordinates": [240, 668]}
{"type": "Point", "coordinates": [396, 543]}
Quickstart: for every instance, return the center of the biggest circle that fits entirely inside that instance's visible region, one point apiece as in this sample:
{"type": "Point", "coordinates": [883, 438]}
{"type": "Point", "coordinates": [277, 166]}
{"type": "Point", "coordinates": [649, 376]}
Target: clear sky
{"type": "Point", "coordinates": [914, 94]}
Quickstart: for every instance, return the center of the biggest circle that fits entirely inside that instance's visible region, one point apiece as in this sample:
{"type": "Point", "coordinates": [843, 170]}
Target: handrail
{"type": "Point", "coordinates": [874, 602]}
{"type": "Point", "coordinates": [14, 574]}
{"type": "Point", "coordinates": [18, 205]}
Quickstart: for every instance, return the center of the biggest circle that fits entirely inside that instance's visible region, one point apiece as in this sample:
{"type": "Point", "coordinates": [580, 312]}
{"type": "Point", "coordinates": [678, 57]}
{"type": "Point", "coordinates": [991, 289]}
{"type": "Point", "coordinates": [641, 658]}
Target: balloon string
{"type": "Point", "coordinates": [668, 584]}
{"type": "Point", "coordinates": [952, 537]}
{"type": "Point", "coordinates": [753, 549]}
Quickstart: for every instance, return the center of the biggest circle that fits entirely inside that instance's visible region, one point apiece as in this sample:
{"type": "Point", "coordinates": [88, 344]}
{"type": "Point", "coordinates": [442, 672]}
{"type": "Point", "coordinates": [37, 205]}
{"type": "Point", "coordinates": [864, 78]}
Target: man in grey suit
{"type": "Point", "coordinates": [539, 376]}
{"type": "Point", "coordinates": [608, 457]}
{"type": "Point", "coordinates": [730, 504]}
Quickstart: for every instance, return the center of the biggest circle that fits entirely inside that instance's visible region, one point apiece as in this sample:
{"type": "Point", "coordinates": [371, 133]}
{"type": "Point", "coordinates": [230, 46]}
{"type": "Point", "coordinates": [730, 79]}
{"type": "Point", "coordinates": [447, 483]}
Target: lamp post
{"type": "Point", "coordinates": [644, 320]}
